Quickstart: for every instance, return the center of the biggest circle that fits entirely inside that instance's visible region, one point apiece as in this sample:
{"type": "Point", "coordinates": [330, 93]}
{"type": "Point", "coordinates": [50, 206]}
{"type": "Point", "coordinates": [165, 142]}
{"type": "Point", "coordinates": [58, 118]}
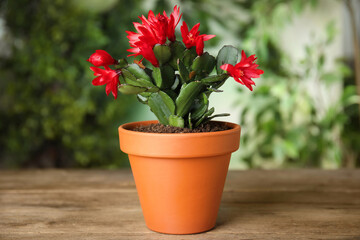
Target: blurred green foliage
{"type": "Point", "coordinates": [285, 126]}
{"type": "Point", "coordinates": [51, 115]}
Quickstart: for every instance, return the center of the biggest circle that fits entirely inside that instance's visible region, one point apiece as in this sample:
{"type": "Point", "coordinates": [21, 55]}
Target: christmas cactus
{"type": "Point", "coordinates": [180, 81]}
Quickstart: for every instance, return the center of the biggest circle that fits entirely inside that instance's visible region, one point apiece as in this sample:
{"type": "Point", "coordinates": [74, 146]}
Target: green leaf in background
{"type": "Point", "coordinates": [51, 115]}
{"type": "Point", "coordinates": [330, 77]}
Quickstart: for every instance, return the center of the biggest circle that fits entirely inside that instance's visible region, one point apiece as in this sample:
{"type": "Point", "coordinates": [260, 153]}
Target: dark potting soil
{"type": "Point", "coordinates": [159, 128]}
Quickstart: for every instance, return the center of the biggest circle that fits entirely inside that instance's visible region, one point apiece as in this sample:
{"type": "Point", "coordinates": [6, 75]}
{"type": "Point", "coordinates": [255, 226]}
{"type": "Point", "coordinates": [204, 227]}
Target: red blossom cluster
{"type": "Point", "coordinates": [153, 30]}
{"type": "Point", "coordinates": [156, 30]}
{"type": "Point", "coordinates": [193, 38]}
{"type": "Point", "coordinates": [105, 76]}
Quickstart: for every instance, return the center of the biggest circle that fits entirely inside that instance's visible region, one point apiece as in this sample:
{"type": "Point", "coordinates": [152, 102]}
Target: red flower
{"type": "Point", "coordinates": [173, 21]}
{"type": "Point", "coordinates": [161, 25]}
{"type": "Point", "coordinates": [107, 76]}
{"type": "Point", "coordinates": [193, 38]}
{"type": "Point", "coordinates": [243, 71]}
{"type": "Point", "coordinates": [101, 58]}
{"type": "Point", "coordinates": [153, 30]}
{"type": "Point", "coordinates": [143, 43]}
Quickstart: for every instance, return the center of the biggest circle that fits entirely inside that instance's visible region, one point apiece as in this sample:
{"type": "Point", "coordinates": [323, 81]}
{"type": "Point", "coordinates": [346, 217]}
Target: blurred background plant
{"type": "Point", "coordinates": [51, 115]}
{"type": "Point", "coordinates": [288, 126]}
{"type": "Point", "coordinates": [290, 120]}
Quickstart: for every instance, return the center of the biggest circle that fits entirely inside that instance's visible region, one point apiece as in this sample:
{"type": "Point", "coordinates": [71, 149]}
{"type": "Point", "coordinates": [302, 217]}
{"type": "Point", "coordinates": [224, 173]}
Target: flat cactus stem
{"type": "Point", "coordinates": [164, 76]}
{"type": "Point", "coordinates": [189, 55]}
{"type": "Point", "coordinates": [201, 106]}
{"type": "Point", "coordinates": [205, 116]}
{"type": "Point", "coordinates": [177, 51]}
{"type": "Point", "coordinates": [128, 89]}
{"type": "Point", "coordinates": [214, 79]}
{"type": "Point", "coordinates": [140, 83]}
{"type": "Point", "coordinates": [204, 63]}
{"type": "Point", "coordinates": [187, 96]}
{"type": "Point", "coordinates": [162, 106]}
{"type": "Point", "coordinates": [183, 72]}
{"type": "Point", "coordinates": [176, 121]}
{"type": "Point", "coordinates": [162, 53]}
{"type": "Point", "coordinates": [227, 54]}
{"type": "Point", "coordinates": [128, 75]}
{"type": "Point", "coordinates": [121, 63]}
{"type": "Point", "coordinates": [190, 121]}
{"type": "Point", "coordinates": [156, 74]}
{"type": "Point", "coordinates": [131, 80]}
{"type": "Point", "coordinates": [138, 72]}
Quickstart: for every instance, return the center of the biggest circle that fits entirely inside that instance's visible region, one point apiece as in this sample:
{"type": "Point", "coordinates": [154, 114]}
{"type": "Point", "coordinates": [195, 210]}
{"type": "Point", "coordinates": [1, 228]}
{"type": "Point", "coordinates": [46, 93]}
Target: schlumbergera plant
{"type": "Point", "coordinates": [178, 85]}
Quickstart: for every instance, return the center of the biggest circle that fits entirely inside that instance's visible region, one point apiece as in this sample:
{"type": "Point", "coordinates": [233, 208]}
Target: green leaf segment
{"type": "Point", "coordinates": [178, 91]}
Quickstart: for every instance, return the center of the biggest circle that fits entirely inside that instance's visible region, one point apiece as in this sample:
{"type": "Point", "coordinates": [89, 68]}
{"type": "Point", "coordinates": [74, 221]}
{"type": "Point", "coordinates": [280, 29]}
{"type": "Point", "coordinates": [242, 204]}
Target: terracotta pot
{"type": "Point", "coordinates": [179, 177]}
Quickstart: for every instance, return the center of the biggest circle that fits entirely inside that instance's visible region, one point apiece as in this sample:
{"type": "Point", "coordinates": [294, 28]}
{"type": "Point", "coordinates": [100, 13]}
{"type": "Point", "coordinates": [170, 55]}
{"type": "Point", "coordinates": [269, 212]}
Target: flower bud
{"type": "Point", "coordinates": [101, 58]}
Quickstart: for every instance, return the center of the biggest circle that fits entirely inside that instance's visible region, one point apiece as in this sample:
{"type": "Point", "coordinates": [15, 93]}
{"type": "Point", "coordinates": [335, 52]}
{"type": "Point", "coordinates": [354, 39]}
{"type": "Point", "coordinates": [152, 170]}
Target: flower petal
{"type": "Point", "coordinates": [199, 46]}
{"type": "Point", "coordinates": [98, 81]}
{"type": "Point", "coordinates": [195, 29]}
{"type": "Point", "coordinates": [208, 37]}
{"type": "Point", "coordinates": [227, 67]}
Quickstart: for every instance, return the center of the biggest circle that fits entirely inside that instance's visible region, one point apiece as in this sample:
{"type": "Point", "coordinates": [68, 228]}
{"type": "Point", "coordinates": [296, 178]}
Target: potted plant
{"type": "Point", "coordinates": [180, 162]}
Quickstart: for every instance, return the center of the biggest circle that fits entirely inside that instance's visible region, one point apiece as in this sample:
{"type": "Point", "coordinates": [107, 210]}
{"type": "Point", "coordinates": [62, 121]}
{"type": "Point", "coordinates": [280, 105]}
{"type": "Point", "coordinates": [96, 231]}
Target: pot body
{"type": "Point", "coordinates": [179, 177]}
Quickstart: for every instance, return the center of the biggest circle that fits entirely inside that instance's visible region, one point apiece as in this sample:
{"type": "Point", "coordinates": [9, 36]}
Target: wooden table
{"type": "Point", "coordinates": [100, 204]}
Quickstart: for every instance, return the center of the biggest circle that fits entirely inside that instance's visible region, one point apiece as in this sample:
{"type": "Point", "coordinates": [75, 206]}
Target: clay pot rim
{"type": "Point", "coordinates": [126, 128]}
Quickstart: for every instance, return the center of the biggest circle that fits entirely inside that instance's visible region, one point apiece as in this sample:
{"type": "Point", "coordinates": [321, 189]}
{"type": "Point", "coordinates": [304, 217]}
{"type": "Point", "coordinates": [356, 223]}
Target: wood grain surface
{"type": "Point", "coordinates": [101, 204]}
